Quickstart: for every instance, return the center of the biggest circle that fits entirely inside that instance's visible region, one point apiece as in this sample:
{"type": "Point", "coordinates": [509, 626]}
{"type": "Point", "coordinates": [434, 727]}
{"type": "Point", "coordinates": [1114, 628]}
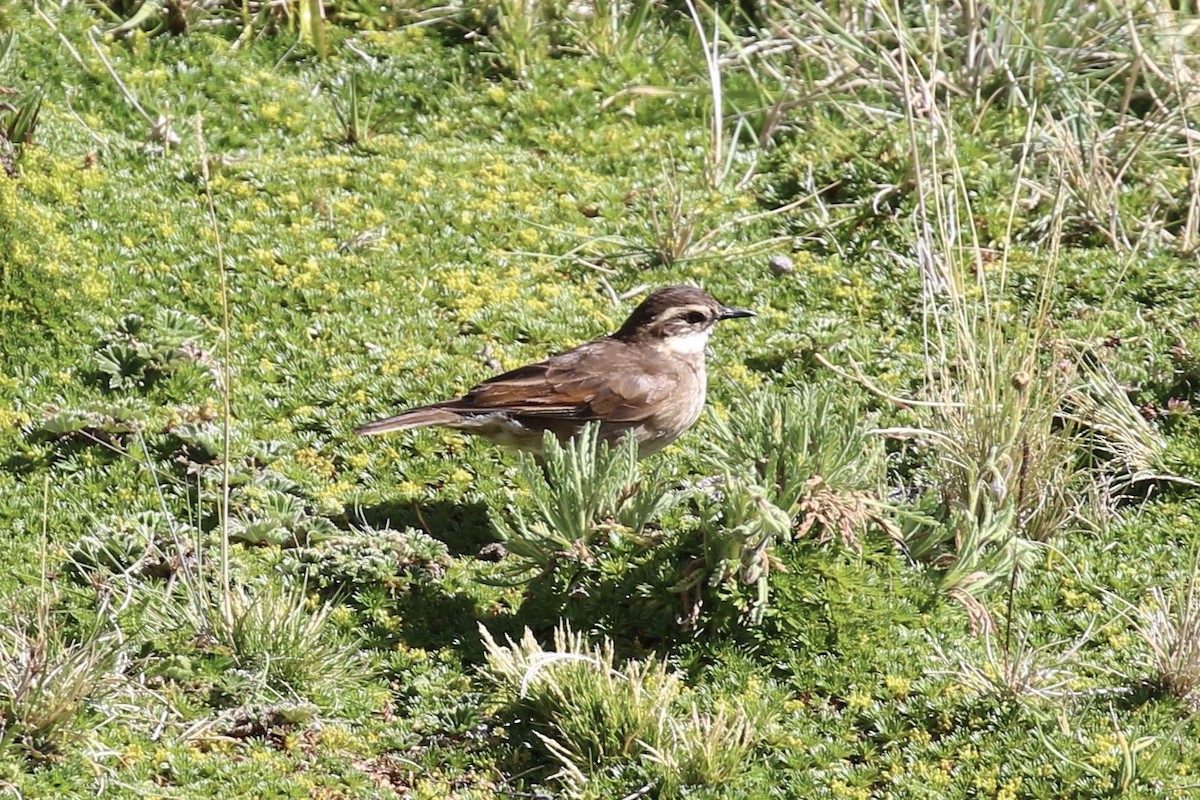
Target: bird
{"type": "Point", "coordinates": [647, 380]}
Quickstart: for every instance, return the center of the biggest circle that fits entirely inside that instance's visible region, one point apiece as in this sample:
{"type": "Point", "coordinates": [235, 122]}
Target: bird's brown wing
{"type": "Point", "coordinates": [603, 379]}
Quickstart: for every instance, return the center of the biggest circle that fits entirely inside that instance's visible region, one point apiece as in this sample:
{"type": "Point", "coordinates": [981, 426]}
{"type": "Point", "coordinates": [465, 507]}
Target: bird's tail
{"type": "Point", "coordinates": [416, 418]}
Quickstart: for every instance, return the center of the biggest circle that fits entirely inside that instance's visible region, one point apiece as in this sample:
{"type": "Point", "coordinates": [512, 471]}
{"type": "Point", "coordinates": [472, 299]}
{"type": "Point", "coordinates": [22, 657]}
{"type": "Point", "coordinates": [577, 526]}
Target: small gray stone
{"type": "Point", "coordinates": [781, 265]}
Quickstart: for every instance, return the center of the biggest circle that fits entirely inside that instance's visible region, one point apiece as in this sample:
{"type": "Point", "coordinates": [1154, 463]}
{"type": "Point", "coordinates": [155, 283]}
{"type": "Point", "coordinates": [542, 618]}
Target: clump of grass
{"type": "Point", "coordinates": [610, 28]}
{"type": "Point", "coordinates": [1110, 93]}
{"type": "Point", "coordinates": [998, 445]}
{"type": "Point", "coordinates": [707, 748]}
{"type": "Point", "coordinates": [1168, 623]}
{"type": "Point", "coordinates": [1135, 450]}
{"type": "Point", "coordinates": [1001, 409]}
{"type": "Point", "coordinates": [590, 713]}
{"type": "Point", "coordinates": [282, 646]}
{"type": "Point", "coordinates": [51, 673]}
{"type": "Point", "coordinates": [353, 107]}
{"type": "Point", "coordinates": [1012, 667]}
{"type": "Point", "coordinates": [1001, 464]}
{"type": "Point", "coordinates": [50, 676]}
{"type": "Point", "coordinates": [303, 18]}
{"type": "Point", "coordinates": [586, 491]}
{"type": "Point", "coordinates": [522, 32]}
{"type": "Point", "coordinates": [19, 111]}
{"type": "Point", "coordinates": [1003, 467]}
{"type": "Point", "coordinates": [684, 222]}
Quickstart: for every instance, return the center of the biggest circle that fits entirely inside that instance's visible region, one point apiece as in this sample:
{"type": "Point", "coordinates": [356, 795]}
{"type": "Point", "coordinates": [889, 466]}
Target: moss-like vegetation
{"type": "Point", "coordinates": [972, 380]}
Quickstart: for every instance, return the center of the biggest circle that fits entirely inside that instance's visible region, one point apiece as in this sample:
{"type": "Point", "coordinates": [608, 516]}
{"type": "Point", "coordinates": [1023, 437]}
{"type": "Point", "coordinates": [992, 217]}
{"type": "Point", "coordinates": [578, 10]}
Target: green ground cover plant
{"type": "Point", "coordinates": [934, 536]}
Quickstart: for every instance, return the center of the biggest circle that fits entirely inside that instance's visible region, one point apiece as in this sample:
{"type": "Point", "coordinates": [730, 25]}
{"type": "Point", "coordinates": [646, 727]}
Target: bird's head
{"type": "Point", "coordinates": [681, 318]}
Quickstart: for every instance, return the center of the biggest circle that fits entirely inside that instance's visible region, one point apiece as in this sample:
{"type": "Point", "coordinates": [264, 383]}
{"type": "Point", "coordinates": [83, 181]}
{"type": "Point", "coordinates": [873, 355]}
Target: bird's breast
{"type": "Point", "coordinates": [677, 412]}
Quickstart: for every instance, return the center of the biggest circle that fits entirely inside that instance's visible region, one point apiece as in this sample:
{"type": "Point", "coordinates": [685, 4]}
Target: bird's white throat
{"type": "Point", "coordinates": [687, 344]}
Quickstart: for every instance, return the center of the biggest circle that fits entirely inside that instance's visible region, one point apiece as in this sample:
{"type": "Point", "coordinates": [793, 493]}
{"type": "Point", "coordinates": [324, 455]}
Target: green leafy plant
{"type": "Point", "coordinates": [585, 492]}
{"type": "Point", "coordinates": [793, 463]}
{"type": "Point", "coordinates": [138, 352]}
{"type": "Point", "coordinates": [262, 514]}
{"type": "Point", "coordinates": [814, 458]}
{"type": "Point", "coordinates": [19, 119]}
{"type": "Point", "coordinates": [370, 556]}
{"type": "Point", "coordinates": [102, 420]}
{"type": "Point", "coordinates": [258, 720]}
{"type": "Point", "coordinates": [147, 543]}
{"type": "Point", "coordinates": [740, 526]}
{"type": "Point", "coordinates": [973, 554]}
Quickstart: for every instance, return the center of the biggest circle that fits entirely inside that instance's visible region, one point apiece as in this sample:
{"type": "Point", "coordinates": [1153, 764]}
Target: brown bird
{"type": "Point", "coordinates": [646, 380]}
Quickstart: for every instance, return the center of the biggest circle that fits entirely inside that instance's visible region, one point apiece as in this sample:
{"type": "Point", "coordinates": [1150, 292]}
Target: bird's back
{"type": "Point", "coordinates": [628, 387]}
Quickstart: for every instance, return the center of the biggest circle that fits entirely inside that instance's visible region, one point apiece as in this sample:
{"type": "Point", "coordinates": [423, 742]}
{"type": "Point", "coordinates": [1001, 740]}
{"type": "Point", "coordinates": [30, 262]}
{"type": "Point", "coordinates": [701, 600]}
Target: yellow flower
{"type": "Point", "coordinates": [897, 686]}
{"type": "Point", "coordinates": [859, 701]}
{"type": "Point", "coordinates": [12, 419]}
{"type": "Point", "coordinates": [408, 488]}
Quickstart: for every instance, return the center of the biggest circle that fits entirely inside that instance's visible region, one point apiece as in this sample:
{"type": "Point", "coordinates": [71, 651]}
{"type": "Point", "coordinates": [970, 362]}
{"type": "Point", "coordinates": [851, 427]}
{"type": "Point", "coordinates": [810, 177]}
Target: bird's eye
{"type": "Point", "coordinates": [695, 317]}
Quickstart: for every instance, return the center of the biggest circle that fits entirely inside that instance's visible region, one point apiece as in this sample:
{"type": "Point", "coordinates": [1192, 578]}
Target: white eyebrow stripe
{"type": "Point", "coordinates": [679, 311]}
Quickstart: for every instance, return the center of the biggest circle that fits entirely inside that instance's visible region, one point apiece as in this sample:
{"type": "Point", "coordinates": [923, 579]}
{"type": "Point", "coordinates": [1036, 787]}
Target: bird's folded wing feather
{"type": "Point", "coordinates": [598, 380]}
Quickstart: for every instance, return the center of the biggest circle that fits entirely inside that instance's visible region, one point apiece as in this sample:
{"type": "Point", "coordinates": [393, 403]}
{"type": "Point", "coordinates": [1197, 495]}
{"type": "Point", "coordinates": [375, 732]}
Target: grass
{"type": "Point", "coordinates": [596, 715]}
{"type": "Point", "coordinates": [52, 679]}
{"type": "Point", "coordinates": [925, 540]}
{"type": "Point", "coordinates": [1168, 623]}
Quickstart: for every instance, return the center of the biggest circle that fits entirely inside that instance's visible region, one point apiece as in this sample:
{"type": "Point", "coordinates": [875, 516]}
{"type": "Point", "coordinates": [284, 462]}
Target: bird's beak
{"type": "Point", "coordinates": [734, 313]}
